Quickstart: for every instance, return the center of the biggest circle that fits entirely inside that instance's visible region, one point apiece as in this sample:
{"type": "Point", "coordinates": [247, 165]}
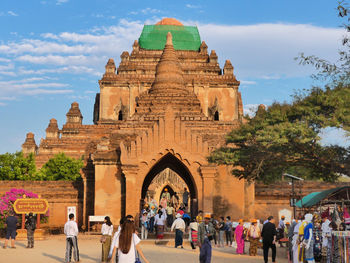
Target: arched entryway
{"type": "Point", "coordinates": [169, 161]}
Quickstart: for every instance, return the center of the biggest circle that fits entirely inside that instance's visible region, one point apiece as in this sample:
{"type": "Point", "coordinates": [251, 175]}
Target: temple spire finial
{"type": "Point", "coordinates": [169, 39]}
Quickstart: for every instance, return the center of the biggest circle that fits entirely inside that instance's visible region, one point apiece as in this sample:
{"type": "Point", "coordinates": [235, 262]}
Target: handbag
{"type": "Point", "coordinates": [103, 239]}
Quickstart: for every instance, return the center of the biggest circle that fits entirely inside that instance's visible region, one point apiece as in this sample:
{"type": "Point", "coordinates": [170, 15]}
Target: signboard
{"type": "Point", "coordinates": [96, 218]}
{"type": "Point", "coordinates": [31, 205]}
{"type": "Point", "coordinates": [72, 210]}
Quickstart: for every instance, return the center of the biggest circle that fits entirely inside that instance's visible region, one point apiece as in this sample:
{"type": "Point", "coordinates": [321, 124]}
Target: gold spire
{"type": "Point", "coordinates": [169, 79]}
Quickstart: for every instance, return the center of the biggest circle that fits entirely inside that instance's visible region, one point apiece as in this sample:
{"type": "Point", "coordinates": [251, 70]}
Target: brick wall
{"type": "Point", "coordinates": [60, 195]}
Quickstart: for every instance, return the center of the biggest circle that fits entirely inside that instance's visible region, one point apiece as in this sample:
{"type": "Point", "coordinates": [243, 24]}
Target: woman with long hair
{"type": "Point", "coordinates": [127, 245]}
{"type": "Point", "coordinates": [106, 231]}
{"type": "Point", "coordinates": [160, 222]}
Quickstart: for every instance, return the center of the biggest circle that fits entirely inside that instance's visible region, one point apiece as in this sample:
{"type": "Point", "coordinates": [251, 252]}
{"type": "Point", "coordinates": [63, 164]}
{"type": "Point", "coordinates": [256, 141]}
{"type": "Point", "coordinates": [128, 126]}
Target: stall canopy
{"type": "Point", "coordinates": [334, 195]}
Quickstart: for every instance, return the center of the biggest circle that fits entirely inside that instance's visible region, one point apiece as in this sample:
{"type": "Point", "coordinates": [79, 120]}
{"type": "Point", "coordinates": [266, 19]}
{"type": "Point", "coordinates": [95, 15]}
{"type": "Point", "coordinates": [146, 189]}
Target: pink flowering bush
{"type": "Point", "coordinates": [7, 201]}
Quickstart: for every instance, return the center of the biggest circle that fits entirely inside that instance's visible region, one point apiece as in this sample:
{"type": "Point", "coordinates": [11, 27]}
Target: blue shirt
{"type": "Point", "coordinates": [307, 231]}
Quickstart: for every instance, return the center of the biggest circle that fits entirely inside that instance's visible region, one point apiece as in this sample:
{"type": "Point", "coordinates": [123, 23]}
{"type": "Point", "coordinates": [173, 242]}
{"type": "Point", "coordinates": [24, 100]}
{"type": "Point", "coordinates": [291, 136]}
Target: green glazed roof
{"type": "Point", "coordinates": [153, 37]}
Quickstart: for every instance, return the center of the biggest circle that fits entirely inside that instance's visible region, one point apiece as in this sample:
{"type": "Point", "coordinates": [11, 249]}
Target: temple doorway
{"type": "Point", "coordinates": [171, 174]}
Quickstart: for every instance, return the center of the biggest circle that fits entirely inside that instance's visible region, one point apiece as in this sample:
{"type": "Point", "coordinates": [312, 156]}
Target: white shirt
{"type": "Point", "coordinates": [159, 220]}
{"type": "Point", "coordinates": [130, 256]}
{"type": "Point", "coordinates": [107, 230]}
{"type": "Point", "coordinates": [179, 223]}
{"type": "Point", "coordinates": [114, 240]}
{"type": "Point", "coordinates": [71, 229]}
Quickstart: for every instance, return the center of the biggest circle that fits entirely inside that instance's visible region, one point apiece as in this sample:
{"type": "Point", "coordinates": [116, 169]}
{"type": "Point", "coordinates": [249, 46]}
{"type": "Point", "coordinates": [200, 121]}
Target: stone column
{"type": "Point", "coordinates": [132, 190]}
{"type": "Point", "coordinates": [208, 174]}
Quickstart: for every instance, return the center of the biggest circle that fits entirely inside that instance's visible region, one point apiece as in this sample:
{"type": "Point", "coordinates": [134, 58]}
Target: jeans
{"type": "Point", "coordinates": [228, 237]}
{"type": "Point", "coordinates": [72, 243]}
{"type": "Point", "coordinates": [221, 237]}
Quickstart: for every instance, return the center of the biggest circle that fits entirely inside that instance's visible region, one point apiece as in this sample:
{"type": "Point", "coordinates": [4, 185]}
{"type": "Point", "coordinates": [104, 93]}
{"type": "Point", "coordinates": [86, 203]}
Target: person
{"type": "Point", "coordinates": [151, 215]}
{"type": "Point", "coordinates": [11, 226]}
{"type": "Point", "coordinates": [239, 238]}
{"type": "Point", "coordinates": [71, 231]}
{"type": "Point", "coordinates": [144, 225]}
{"type": "Point", "coordinates": [116, 234]}
{"type": "Point", "coordinates": [193, 233]}
{"type": "Point", "coordinates": [280, 230]}
{"type": "Point", "coordinates": [254, 237]}
{"type": "Point", "coordinates": [326, 240]}
{"type": "Point", "coordinates": [215, 224]}
{"type": "Point", "coordinates": [166, 196]}
{"type": "Point", "coordinates": [30, 226]}
{"type": "Point", "coordinates": [221, 227]}
{"type": "Point", "coordinates": [159, 221]}
{"type": "Point", "coordinates": [199, 217]}
{"type": "Point", "coordinates": [268, 234]}
{"type": "Point", "coordinates": [170, 215]}
{"type": "Point", "coordinates": [106, 239]}
{"type": "Point", "coordinates": [175, 200]}
{"type": "Point", "coordinates": [228, 231]}
{"type": "Point", "coordinates": [127, 244]}
{"type": "Point", "coordinates": [163, 203]}
{"type": "Point", "coordinates": [205, 235]}
{"type": "Point", "coordinates": [185, 197]}
{"type": "Point", "coordinates": [179, 226]}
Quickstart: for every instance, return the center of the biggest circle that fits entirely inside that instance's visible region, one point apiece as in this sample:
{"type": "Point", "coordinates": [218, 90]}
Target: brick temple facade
{"type": "Point", "coordinates": [157, 118]}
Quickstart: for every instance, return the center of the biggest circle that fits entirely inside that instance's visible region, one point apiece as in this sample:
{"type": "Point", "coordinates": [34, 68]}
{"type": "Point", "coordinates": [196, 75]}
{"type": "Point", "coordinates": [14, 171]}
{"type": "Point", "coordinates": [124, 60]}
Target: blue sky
{"type": "Point", "coordinates": [53, 52]}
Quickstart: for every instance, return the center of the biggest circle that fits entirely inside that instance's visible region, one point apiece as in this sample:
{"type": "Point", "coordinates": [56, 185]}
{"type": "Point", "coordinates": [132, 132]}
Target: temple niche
{"type": "Point", "coordinates": [157, 117]}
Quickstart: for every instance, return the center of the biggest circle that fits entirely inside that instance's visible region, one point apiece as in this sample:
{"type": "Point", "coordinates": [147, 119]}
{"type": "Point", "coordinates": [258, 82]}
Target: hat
{"type": "Point", "coordinates": [166, 189]}
{"type": "Point", "coordinates": [145, 212]}
{"type": "Point", "coordinates": [207, 215]}
{"type": "Point", "coordinates": [254, 221]}
{"type": "Point", "coordinates": [178, 215]}
{"type": "Point", "coordinates": [287, 223]}
{"type": "Point", "coordinates": [240, 221]}
{"type": "Point", "coordinates": [283, 217]}
{"type": "Point", "coordinates": [153, 206]}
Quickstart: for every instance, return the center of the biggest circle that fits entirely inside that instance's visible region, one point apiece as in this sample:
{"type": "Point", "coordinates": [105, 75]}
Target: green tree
{"type": "Point", "coordinates": [62, 168]}
{"type": "Point", "coordinates": [285, 137]}
{"type": "Point", "coordinates": [14, 166]}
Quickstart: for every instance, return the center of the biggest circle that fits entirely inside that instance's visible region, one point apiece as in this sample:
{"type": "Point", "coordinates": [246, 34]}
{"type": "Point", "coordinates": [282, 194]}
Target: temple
{"type": "Point", "coordinates": [157, 118]}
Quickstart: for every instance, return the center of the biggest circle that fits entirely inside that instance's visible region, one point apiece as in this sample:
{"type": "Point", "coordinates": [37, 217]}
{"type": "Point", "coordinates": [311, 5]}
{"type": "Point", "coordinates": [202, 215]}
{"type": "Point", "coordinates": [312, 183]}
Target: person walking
{"type": "Point", "coordinates": [128, 245]}
{"type": "Point", "coordinates": [30, 227]}
{"type": "Point", "coordinates": [193, 233]}
{"type": "Point", "coordinates": [205, 235]}
{"type": "Point", "coordinates": [170, 211]}
{"type": "Point", "coordinates": [185, 197]}
{"type": "Point", "coordinates": [254, 237]}
{"type": "Point", "coordinates": [179, 226]}
{"type": "Point", "coordinates": [221, 227]}
{"type": "Point", "coordinates": [268, 234]}
{"type": "Point", "coordinates": [239, 238]}
{"type": "Point", "coordinates": [71, 231]}
{"type": "Point", "coordinates": [106, 238]}
{"type": "Point", "coordinates": [144, 225]}
{"type": "Point", "coordinates": [159, 221]}
{"type": "Point", "coordinates": [11, 227]}
{"type": "Point", "coordinates": [228, 231]}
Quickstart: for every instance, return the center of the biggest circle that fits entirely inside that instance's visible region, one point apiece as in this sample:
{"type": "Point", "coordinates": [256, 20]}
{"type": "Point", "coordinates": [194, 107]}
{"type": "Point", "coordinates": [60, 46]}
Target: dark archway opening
{"type": "Point", "coordinates": [170, 161]}
{"type": "Point", "coordinates": [120, 116]}
{"type": "Point", "coordinates": [216, 116]}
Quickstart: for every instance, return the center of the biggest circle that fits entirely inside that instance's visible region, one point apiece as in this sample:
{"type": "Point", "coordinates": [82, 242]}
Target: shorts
{"type": "Point", "coordinates": [11, 233]}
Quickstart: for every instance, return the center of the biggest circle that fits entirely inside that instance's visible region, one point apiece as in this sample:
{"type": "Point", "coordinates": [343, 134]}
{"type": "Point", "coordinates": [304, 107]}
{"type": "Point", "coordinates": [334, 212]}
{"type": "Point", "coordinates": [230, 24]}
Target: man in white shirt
{"type": "Point", "coordinates": [179, 226]}
{"type": "Point", "coordinates": [71, 231]}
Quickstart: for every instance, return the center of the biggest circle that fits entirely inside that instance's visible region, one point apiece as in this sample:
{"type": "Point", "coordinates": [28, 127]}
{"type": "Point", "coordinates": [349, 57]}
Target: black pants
{"type": "Point", "coordinates": [266, 246]}
{"type": "Point", "coordinates": [228, 237]}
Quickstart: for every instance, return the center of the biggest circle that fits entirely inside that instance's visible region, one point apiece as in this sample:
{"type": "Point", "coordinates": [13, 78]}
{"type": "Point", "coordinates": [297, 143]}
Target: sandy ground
{"type": "Point", "coordinates": [53, 249]}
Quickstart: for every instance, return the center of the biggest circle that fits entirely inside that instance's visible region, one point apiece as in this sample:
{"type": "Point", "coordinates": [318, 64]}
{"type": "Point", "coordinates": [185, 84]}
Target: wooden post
{"type": "Point", "coordinates": [38, 221]}
{"type": "Point", "coordinates": [23, 220]}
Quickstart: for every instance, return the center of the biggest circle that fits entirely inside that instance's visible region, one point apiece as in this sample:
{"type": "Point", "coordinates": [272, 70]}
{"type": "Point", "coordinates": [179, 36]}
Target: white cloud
{"type": "Point", "coordinates": [2, 104]}
{"type": "Point", "coordinates": [60, 2]}
{"type": "Point", "coordinates": [335, 136]}
{"type": "Point", "coordinates": [11, 13]}
{"type": "Point", "coordinates": [193, 6]}
{"type": "Point", "coordinates": [250, 109]}
{"type": "Point", "coordinates": [248, 82]}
